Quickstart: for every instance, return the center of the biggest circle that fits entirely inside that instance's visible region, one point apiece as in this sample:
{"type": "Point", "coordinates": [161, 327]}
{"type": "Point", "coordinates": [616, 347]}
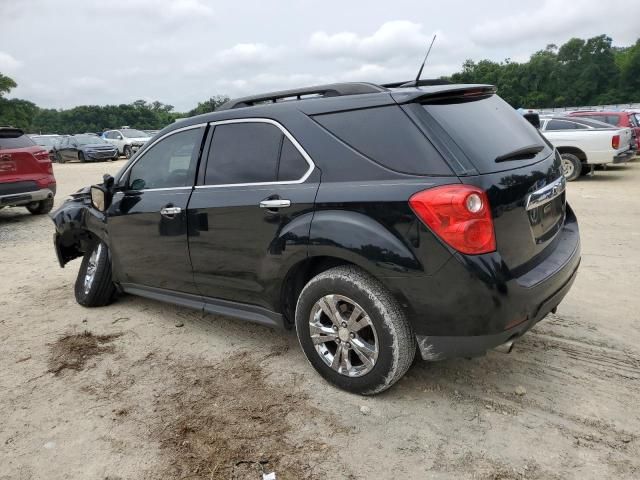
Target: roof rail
{"type": "Point", "coordinates": [331, 90]}
{"type": "Point", "coordinates": [427, 82]}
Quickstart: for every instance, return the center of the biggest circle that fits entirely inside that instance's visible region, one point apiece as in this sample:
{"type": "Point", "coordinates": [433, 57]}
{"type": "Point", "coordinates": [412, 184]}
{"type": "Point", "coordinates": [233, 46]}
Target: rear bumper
{"type": "Point", "coordinates": [624, 157]}
{"type": "Point", "coordinates": [18, 199]}
{"type": "Point", "coordinates": [474, 303]}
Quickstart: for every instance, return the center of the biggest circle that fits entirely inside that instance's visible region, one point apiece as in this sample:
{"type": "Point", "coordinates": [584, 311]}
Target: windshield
{"type": "Point", "coordinates": [88, 139]}
{"type": "Point", "coordinates": [490, 133]}
{"type": "Point", "coordinates": [133, 133]}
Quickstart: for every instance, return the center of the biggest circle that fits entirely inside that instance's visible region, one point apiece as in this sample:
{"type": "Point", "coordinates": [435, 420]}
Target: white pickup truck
{"type": "Point", "coordinates": [584, 143]}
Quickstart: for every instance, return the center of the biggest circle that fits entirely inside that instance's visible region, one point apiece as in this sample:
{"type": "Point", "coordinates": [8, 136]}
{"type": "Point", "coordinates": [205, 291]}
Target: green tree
{"type": "Point", "coordinates": [208, 105]}
{"type": "Point", "coordinates": [6, 84]}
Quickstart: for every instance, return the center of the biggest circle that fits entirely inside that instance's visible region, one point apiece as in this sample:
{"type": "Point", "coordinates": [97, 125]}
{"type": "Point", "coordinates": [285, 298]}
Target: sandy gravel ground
{"type": "Point", "coordinates": [123, 392]}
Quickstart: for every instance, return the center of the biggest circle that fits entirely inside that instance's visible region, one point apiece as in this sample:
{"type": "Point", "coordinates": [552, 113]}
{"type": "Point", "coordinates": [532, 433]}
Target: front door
{"type": "Point", "coordinates": [147, 220]}
{"type": "Point", "coordinates": [251, 215]}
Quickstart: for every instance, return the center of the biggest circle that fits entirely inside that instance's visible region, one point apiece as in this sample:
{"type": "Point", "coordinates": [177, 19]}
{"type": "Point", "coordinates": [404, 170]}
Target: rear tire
{"type": "Point", "coordinates": [365, 353]}
{"type": "Point", "coordinates": [94, 285]}
{"type": "Point", "coordinates": [571, 166]}
{"type": "Point", "coordinates": [41, 207]}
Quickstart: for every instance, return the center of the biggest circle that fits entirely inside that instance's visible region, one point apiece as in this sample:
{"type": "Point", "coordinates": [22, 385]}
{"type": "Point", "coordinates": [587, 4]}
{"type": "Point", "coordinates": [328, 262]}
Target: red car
{"type": "Point", "coordinates": [618, 119]}
{"type": "Point", "coordinates": [26, 174]}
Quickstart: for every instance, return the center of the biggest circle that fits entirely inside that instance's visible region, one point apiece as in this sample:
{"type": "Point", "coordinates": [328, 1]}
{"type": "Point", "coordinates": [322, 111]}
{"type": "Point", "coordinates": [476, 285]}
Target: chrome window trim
{"type": "Point", "coordinates": [168, 134]}
{"type": "Point", "coordinates": [286, 133]}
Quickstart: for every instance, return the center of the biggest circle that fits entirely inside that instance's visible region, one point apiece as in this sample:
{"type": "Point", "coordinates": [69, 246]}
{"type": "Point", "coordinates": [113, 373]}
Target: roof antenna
{"type": "Point", "coordinates": [424, 61]}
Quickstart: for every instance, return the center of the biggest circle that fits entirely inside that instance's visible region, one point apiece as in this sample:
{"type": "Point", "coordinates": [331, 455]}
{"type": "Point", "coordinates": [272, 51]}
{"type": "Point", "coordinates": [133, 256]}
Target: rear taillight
{"type": "Point", "coordinates": [615, 142]}
{"type": "Point", "coordinates": [42, 156]}
{"type": "Point", "coordinates": [459, 215]}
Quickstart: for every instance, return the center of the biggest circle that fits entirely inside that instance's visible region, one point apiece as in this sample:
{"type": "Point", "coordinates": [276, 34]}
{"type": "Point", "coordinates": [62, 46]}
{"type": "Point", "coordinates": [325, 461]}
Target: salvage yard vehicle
{"type": "Point", "coordinates": [26, 174]}
{"type": "Point", "coordinates": [585, 143]}
{"type": "Point", "coordinates": [373, 220]}
{"type": "Point", "coordinates": [127, 140]}
{"type": "Point", "coordinates": [49, 142]}
{"type": "Point", "coordinates": [615, 118]}
{"type": "Point", "coordinates": [85, 148]}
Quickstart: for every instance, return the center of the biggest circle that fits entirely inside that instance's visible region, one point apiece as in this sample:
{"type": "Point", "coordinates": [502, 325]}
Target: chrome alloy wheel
{"type": "Point", "coordinates": [92, 266]}
{"type": "Point", "coordinates": [343, 335]}
{"type": "Point", "coordinates": [567, 168]}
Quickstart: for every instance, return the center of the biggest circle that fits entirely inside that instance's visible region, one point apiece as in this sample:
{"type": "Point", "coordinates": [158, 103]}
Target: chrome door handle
{"type": "Point", "coordinates": [275, 203]}
{"type": "Point", "coordinates": [170, 212]}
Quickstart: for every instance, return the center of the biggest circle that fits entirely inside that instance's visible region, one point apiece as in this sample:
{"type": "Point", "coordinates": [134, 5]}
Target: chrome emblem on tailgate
{"type": "Point", "coordinates": [545, 194]}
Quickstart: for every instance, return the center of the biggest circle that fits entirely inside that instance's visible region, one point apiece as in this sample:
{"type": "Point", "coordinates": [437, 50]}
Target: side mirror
{"type": "Point", "coordinates": [119, 137]}
{"type": "Point", "coordinates": [100, 198]}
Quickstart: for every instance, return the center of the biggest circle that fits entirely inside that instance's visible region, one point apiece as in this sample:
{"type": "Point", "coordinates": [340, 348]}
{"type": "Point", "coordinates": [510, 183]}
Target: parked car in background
{"type": "Point", "coordinates": [127, 140]}
{"type": "Point", "coordinates": [375, 221]}
{"type": "Point", "coordinates": [151, 133]}
{"type": "Point", "coordinates": [85, 148]}
{"type": "Point", "coordinates": [617, 119]}
{"type": "Point", "coordinates": [49, 142]}
{"type": "Point", "coordinates": [26, 174]}
{"type": "Point", "coordinates": [584, 143]}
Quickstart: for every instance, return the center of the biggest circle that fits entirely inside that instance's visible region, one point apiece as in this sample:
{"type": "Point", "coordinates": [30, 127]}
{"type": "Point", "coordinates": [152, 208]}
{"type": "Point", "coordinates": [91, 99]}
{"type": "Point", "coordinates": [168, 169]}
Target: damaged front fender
{"type": "Point", "coordinates": [78, 226]}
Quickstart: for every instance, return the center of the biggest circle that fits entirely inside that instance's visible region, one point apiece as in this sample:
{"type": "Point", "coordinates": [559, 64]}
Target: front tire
{"type": "Point", "coordinates": [94, 285]}
{"type": "Point", "coordinates": [41, 207]}
{"type": "Point", "coordinates": [353, 332]}
{"type": "Point", "coordinates": [571, 166]}
{"type": "Point", "coordinates": [59, 158]}
{"type": "Point", "coordinates": [127, 151]}
{"type": "Point", "coordinates": [81, 157]}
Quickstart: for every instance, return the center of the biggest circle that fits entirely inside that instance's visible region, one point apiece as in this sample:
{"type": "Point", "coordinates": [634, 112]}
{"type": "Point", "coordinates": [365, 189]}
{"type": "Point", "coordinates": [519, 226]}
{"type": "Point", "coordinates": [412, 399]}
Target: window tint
{"type": "Point", "coordinates": [292, 164]}
{"type": "Point", "coordinates": [564, 125]}
{"type": "Point", "coordinates": [169, 163]}
{"type": "Point", "coordinates": [388, 137]}
{"type": "Point", "coordinates": [19, 142]}
{"type": "Point", "coordinates": [486, 130]}
{"type": "Point", "coordinates": [243, 153]}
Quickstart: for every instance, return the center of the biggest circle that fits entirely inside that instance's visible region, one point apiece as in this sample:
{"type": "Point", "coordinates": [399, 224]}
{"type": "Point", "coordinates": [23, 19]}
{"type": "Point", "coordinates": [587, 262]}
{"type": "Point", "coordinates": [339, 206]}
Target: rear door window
{"type": "Point", "coordinates": [564, 125]}
{"type": "Point", "coordinates": [488, 131]}
{"type": "Point", "coordinates": [292, 164]}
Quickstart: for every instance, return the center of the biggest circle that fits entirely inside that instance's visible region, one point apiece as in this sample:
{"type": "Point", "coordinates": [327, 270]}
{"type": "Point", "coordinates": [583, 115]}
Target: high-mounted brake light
{"type": "Point", "coordinates": [615, 142]}
{"type": "Point", "coordinates": [459, 214]}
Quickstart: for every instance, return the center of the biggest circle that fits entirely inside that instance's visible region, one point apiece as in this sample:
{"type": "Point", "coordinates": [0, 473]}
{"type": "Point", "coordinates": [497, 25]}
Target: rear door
{"type": "Point", "coordinates": [251, 211]}
{"type": "Point", "coordinates": [495, 148]}
{"type": "Point", "coordinates": [147, 221]}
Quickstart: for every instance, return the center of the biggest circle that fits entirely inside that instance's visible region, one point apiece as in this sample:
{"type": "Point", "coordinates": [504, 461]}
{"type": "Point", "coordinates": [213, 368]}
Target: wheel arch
{"type": "Point", "coordinates": [573, 151]}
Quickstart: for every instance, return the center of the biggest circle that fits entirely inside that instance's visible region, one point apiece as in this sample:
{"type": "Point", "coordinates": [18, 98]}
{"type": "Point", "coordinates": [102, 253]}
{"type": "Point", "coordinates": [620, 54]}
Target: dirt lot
{"type": "Point", "coordinates": [141, 390]}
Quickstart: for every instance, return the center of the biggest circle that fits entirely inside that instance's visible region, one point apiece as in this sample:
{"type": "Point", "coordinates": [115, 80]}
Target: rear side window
{"type": "Point", "coordinates": [292, 166]}
{"type": "Point", "coordinates": [252, 152]}
{"type": "Point", "coordinates": [387, 136]}
{"type": "Point", "coordinates": [19, 142]}
{"type": "Point", "coordinates": [488, 130]}
{"type": "Point", "coordinates": [564, 125]}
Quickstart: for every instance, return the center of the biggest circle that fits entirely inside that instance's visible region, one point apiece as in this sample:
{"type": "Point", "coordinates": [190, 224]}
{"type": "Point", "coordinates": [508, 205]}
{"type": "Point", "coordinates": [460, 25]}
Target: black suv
{"type": "Point", "coordinates": [372, 219]}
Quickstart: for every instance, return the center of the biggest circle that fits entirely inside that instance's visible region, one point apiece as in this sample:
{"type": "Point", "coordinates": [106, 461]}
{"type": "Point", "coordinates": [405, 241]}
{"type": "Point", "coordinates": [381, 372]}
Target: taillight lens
{"type": "Point", "coordinates": [459, 215]}
{"type": "Point", "coordinates": [615, 142]}
{"type": "Point", "coordinates": [42, 156]}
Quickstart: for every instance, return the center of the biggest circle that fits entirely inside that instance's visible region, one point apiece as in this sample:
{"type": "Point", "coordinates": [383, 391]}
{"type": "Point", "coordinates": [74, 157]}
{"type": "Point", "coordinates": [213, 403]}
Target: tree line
{"type": "Point", "coordinates": [579, 72]}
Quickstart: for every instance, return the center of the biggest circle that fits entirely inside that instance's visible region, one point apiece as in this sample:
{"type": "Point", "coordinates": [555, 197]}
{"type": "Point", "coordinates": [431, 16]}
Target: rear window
{"type": "Point", "coordinates": [19, 142]}
{"type": "Point", "coordinates": [564, 125]}
{"type": "Point", "coordinates": [490, 129]}
{"type": "Point", "coordinates": [387, 136]}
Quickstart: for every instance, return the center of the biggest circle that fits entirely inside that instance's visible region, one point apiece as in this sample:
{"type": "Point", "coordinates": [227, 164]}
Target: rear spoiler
{"type": "Point", "coordinates": [10, 132]}
{"type": "Point", "coordinates": [444, 94]}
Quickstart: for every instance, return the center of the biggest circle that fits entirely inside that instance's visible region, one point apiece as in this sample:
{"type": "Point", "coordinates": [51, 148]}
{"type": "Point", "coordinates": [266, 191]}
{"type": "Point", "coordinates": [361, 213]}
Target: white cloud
{"type": "Point", "coordinates": [166, 9]}
{"type": "Point", "coordinates": [8, 63]}
{"type": "Point", "coordinates": [398, 38]}
{"type": "Point", "coordinates": [88, 83]}
{"type": "Point", "coordinates": [249, 54]}
{"type": "Point", "coordinates": [554, 19]}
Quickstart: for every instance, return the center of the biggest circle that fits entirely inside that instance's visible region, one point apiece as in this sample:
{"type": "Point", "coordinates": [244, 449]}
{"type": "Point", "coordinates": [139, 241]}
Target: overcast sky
{"type": "Point", "coordinates": [64, 53]}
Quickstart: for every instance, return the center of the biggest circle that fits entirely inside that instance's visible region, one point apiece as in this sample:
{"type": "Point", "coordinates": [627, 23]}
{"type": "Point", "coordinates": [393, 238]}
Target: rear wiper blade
{"type": "Point", "coordinates": [521, 153]}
